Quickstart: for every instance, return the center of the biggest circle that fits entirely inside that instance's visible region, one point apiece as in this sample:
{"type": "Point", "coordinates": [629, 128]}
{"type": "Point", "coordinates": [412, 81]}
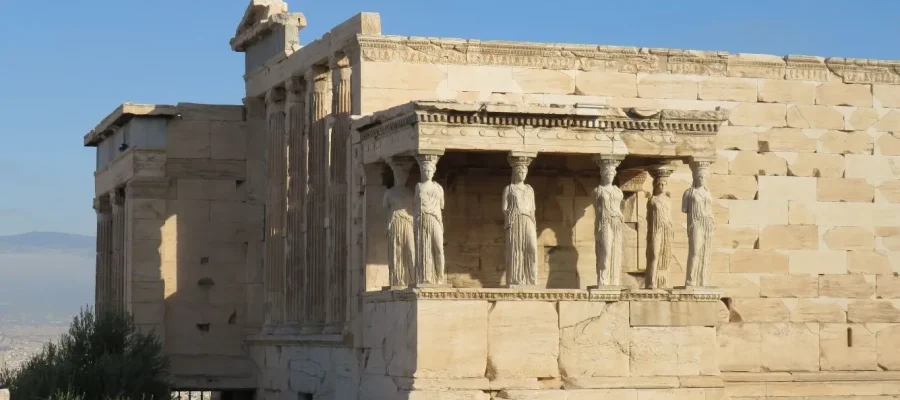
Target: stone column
{"type": "Point", "coordinates": [295, 251]}
{"type": "Point", "coordinates": [315, 280]}
{"type": "Point", "coordinates": [659, 229]}
{"type": "Point", "coordinates": [104, 252]}
{"type": "Point", "coordinates": [697, 202]}
{"type": "Point", "coordinates": [609, 235]}
{"type": "Point", "coordinates": [521, 227]}
{"type": "Point", "coordinates": [117, 272]}
{"type": "Point", "coordinates": [428, 222]}
{"type": "Point", "coordinates": [275, 206]}
{"type": "Point", "coordinates": [337, 208]}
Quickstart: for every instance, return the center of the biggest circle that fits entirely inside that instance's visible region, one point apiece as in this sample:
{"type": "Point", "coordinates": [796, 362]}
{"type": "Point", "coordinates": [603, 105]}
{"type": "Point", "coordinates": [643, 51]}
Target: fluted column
{"type": "Point", "coordinates": [315, 280]}
{"type": "Point", "coordinates": [295, 252]}
{"type": "Point", "coordinates": [276, 169]}
{"type": "Point", "coordinates": [117, 272]}
{"type": "Point", "coordinates": [104, 252]}
{"type": "Point", "coordinates": [337, 210]}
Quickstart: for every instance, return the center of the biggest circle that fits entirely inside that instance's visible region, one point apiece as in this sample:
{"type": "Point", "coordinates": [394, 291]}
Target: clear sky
{"type": "Point", "coordinates": [64, 65]}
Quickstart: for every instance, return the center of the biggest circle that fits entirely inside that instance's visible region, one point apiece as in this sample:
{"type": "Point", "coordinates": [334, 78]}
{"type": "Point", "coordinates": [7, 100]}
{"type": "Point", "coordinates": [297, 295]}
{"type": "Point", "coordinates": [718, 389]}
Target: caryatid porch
{"type": "Point", "coordinates": [623, 143]}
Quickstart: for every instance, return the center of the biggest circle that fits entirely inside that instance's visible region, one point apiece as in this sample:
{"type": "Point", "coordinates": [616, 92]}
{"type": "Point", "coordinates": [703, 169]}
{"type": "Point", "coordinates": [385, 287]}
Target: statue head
{"type": "Point", "coordinates": [659, 186]}
{"type": "Point", "coordinates": [519, 168]}
{"type": "Point", "coordinates": [608, 171]}
{"type": "Point", "coordinates": [700, 171]}
{"type": "Point", "coordinates": [401, 168]}
{"type": "Point", "coordinates": [427, 166]}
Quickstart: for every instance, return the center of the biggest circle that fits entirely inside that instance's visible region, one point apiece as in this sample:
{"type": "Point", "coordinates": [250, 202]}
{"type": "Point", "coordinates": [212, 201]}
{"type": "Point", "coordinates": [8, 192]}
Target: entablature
{"type": "Point", "coordinates": [121, 115]}
{"type": "Point", "coordinates": [537, 128]}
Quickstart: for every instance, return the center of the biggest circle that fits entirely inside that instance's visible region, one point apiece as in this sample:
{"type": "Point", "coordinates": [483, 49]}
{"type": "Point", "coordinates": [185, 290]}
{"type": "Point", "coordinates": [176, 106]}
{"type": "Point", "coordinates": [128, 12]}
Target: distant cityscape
{"type": "Point", "coordinates": [45, 279]}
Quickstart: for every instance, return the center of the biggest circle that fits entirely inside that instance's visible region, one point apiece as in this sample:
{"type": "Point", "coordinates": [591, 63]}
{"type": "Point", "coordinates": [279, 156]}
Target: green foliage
{"type": "Point", "coordinates": [99, 358]}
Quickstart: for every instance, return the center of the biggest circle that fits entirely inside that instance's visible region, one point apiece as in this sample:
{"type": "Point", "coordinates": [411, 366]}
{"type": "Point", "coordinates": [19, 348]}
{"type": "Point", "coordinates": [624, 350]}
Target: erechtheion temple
{"type": "Point", "coordinates": [390, 217]}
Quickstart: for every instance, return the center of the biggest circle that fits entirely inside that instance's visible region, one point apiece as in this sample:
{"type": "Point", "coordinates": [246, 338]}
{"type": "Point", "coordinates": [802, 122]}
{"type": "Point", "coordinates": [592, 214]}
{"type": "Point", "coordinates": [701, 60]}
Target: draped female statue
{"type": "Point", "coordinates": [697, 203]}
{"type": "Point", "coordinates": [429, 225]}
{"type": "Point", "coordinates": [401, 237]}
{"type": "Point", "coordinates": [659, 230]}
{"type": "Point", "coordinates": [610, 225]}
{"type": "Point", "coordinates": [521, 230]}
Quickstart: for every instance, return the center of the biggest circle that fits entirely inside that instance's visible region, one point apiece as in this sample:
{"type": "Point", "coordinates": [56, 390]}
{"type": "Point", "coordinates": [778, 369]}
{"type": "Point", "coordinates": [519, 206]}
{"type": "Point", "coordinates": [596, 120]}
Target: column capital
{"type": "Point", "coordinates": [274, 96]}
{"type": "Point", "coordinates": [118, 196]}
{"type": "Point", "coordinates": [316, 78]}
{"type": "Point", "coordinates": [528, 154]}
{"type": "Point", "coordinates": [295, 87]}
{"type": "Point", "coordinates": [101, 203]}
{"type": "Point", "coordinates": [662, 170]}
{"type": "Point", "coordinates": [338, 61]}
{"type": "Point", "coordinates": [606, 160]}
{"type": "Point", "coordinates": [702, 159]}
{"type": "Point", "coordinates": [520, 159]}
{"type": "Point", "coordinates": [401, 162]}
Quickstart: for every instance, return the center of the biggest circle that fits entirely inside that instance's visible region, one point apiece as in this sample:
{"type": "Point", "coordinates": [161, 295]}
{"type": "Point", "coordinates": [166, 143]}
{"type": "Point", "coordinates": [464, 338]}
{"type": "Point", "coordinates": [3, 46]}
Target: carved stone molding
{"type": "Point", "coordinates": [683, 122]}
{"type": "Point", "coordinates": [624, 59]}
{"type": "Point", "coordinates": [415, 294]}
{"type": "Point", "coordinates": [567, 129]}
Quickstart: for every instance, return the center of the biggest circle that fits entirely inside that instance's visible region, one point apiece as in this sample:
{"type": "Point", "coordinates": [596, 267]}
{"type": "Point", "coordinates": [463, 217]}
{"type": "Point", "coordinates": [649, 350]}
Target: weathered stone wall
{"type": "Point", "coordinates": [514, 348]}
{"type": "Point", "coordinates": [201, 221]}
{"type": "Point", "coordinates": [807, 178]}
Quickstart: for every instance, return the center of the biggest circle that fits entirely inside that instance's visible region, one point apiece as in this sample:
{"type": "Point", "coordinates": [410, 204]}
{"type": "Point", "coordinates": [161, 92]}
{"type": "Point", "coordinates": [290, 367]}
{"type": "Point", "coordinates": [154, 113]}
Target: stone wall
{"type": "Point", "coordinates": [201, 222]}
{"type": "Point", "coordinates": [505, 344]}
{"type": "Point", "coordinates": [807, 181]}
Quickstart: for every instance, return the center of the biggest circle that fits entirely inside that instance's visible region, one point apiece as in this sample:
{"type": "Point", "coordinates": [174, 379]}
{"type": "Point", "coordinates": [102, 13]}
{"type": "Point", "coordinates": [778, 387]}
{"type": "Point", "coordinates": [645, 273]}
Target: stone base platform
{"type": "Point", "coordinates": [530, 343]}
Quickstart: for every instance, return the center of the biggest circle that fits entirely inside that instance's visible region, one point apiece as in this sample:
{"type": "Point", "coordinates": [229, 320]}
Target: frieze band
{"type": "Point", "coordinates": [625, 59]}
{"type": "Point", "coordinates": [412, 294]}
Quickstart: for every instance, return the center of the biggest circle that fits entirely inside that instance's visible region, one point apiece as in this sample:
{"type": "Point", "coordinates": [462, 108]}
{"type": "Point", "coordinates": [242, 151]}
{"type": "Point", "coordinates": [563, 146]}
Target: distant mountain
{"type": "Point", "coordinates": [53, 241]}
{"type": "Point", "coordinates": [45, 275]}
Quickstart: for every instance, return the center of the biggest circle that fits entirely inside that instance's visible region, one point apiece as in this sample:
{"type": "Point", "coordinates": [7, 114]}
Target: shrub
{"type": "Point", "coordinates": [101, 357]}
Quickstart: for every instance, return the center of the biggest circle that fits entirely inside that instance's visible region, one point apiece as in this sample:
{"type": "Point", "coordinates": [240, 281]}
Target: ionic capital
{"type": "Point", "coordinates": [117, 197]}
{"type": "Point", "coordinates": [274, 96]}
{"type": "Point", "coordinates": [295, 87]}
{"type": "Point", "coordinates": [317, 78]}
{"type": "Point", "coordinates": [339, 61]}
{"type": "Point", "coordinates": [101, 204]}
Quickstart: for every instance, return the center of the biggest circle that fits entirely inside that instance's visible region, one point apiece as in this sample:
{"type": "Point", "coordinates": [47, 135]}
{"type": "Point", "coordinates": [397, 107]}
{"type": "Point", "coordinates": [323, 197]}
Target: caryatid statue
{"type": "Point", "coordinates": [521, 230]}
{"type": "Point", "coordinates": [697, 203]}
{"type": "Point", "coordinates": [401, 237]}
{"type": "Point", "coordinates": [429, 225]}
{"type": "Point", "coordinates": [660, 234]}
{"type": "Point", "coordinates": [610, 224]}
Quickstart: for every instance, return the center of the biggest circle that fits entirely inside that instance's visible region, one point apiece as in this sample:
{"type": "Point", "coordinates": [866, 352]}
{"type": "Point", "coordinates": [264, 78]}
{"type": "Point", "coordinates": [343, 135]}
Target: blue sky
{"type": "Point", "coordinates": [64, 65]}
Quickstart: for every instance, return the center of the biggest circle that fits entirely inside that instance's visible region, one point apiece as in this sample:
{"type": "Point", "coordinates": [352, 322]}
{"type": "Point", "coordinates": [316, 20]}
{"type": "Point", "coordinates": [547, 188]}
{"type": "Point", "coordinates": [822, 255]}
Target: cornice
{"type": "Point", "coordinates": [121, 115]}
{"type": "Point", "coordinates": [577, 117]}
{"type": "Point", "coordinates": [416, 294]}
{"type": "Point", "coordinates": [625, 59]}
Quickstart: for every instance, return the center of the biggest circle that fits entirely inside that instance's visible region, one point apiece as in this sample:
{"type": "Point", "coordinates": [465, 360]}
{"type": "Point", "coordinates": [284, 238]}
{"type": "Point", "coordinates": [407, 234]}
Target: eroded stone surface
{"type": "Point", "coordinates": [524, 340]}
{"type": "Point", "coordinates": [594, 331]}
{"type": "Point", "coordinates": [673, 351]}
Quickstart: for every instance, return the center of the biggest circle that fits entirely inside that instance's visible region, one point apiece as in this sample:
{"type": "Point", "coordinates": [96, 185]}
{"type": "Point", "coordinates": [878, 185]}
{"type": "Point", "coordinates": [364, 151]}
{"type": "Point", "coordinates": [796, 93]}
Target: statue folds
{"type": "Point", "coordinates": [521, 230]}
{"type": "Point", "coordinates": [401, 236]}
{"type": "Point", "coordinates": [660, 234]}
{"type": "Point", "coordinates": [697, 203]}
{"type": "Point", "coordinates": [610, 225]}
{"type": "Point", "coordinates": [429, 226]}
